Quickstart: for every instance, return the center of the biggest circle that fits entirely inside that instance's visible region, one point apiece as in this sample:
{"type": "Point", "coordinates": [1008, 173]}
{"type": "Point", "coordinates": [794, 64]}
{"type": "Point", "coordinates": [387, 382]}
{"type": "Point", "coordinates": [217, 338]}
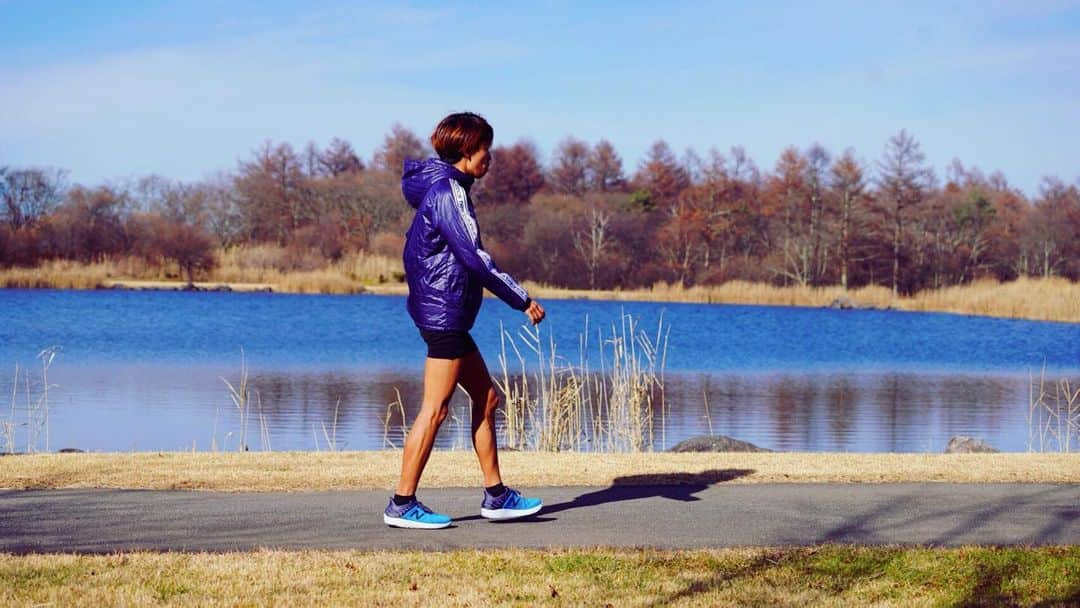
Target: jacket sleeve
{"type": "Point", "coordinates": [452, 218]}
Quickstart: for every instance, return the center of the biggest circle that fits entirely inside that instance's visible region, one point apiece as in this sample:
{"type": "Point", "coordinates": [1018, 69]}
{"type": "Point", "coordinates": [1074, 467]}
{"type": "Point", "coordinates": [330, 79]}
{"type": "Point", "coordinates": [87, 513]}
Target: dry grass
{"type": "Point", "coordinates": [270, 264]}
{"type": "Point", "coordinates": [1044, 299]}
{"type": "Point", "coordinates": [732, 292]}
{"type": "Point", "coordinates": [555, 403]}
{"type": "Point", "coordinates": [821, 576]}
{"type": "Point", "coordinates": [58, 274]}
{"type": "Point", "coordinates": [303, 471]}
{"type": "Point", "coordinates": [243, 268]}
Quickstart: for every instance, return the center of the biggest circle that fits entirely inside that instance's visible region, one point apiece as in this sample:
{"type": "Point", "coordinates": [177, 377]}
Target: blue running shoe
{"type": "Point", "coordinates": [510, 505]}
{"type": "Point", "coordinates": [413, 515]}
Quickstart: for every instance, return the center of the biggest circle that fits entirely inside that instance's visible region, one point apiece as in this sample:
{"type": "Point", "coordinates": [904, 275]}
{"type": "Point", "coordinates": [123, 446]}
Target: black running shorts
{"type": "Point", "coordinates": [448, 344]}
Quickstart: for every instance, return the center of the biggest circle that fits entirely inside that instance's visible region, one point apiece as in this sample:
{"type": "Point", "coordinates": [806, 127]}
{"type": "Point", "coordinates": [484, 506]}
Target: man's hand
{"type": "Point", "coordinates": [535, 312]}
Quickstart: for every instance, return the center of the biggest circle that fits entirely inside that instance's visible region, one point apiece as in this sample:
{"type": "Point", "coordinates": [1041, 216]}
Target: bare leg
{"type": "Point", "coordinates": [476, 381]}
{"type": "Point", "coordinates": [440, 378]}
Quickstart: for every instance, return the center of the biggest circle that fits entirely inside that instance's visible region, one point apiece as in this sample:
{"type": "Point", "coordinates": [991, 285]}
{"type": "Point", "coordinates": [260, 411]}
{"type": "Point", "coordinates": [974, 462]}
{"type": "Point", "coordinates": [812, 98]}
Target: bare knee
{"type": "Point", "coordinates": [436, 415]}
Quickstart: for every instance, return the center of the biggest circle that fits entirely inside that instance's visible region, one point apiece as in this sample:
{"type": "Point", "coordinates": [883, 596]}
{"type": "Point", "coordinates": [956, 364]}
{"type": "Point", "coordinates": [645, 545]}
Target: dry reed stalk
{"type": "Point", "coordinates": [264, 429]}
{"type": "Point", "coordinates": [515, 395]}
{"type": "Point", "coordinates": [386, 422]}
{"type": "Point", "coordinates": [240, 398]}
{"type": "Point", "coordinates": [9, 424]}
{"type": "Point", "coordinates": [570, 407]}
{"type": "Point", "coordinates": [331, 438]}
{"type": "Point", "coordinates": [1053, 418]}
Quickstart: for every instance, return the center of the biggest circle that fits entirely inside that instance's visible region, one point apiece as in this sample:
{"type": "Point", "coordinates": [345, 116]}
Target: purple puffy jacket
{"type": "Point", "coordinates": [445, 262]}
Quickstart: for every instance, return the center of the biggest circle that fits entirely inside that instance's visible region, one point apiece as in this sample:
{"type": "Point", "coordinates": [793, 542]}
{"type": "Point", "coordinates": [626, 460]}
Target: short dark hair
{"type": "Point", "coordinates": [461, 134]}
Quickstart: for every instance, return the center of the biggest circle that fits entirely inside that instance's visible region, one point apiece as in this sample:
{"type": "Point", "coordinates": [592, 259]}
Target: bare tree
{"type": "Point", "coordinates": [592, 238]}
{"type": "Point", "coordinates": [29, 194]}
{"type": "Point", "coordinates": [273, 193]}
{"type": "Point", "coordinates": [817, 167]}
{"type": "Point", "coordinates": [399, 144]}
{"type": "Point", "coordinates": [849, 188]}
{"type": "Point", "coordinates": [339, 158]}
{"type": "Point", "coordinates": [605, 168]}
{"type": "Point", "coordinates": [1053, 229]}
{"type": "Point", "coordinates": [904, 180]}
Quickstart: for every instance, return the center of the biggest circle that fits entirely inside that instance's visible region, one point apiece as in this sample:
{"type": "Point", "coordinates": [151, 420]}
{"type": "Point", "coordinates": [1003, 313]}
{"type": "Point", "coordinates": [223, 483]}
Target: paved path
{"type": "Point", "coordinates": [692, 515]}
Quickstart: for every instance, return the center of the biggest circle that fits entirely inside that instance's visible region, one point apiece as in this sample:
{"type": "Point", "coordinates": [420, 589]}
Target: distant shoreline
{"type": "Point", "coordinates": [1037, 299]}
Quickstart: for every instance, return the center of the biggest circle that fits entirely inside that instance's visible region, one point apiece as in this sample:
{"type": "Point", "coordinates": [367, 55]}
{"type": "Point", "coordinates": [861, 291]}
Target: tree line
{"type": "Point", "coordinates": [579, 220]}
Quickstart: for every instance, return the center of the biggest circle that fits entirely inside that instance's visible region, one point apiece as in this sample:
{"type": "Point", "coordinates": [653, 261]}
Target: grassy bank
{"type": "Point", "coordinates": [241, 268]}
{"type": "Point", "coordinates": [1049, 299]}
{"type": "Point", "coordinates": [828, 575]}
{"type": "Point", "coordinates": [262, 267]}
{"type": "Point", "coordinates": [257, 471]}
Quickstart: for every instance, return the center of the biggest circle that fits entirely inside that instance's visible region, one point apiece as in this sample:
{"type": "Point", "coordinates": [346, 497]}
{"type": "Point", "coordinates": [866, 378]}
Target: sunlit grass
{"type": "Point", "coordinates": [827, 575]}
{"type": "Point", "coordinates": [1047, 299]}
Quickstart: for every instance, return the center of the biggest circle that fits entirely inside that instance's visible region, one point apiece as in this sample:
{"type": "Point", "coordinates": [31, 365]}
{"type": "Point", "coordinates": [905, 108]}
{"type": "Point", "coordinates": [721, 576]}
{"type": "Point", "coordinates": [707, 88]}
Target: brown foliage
{"type": "Point", "coordinates": [514, 177]}
{"type": "Point", "coordinates": [273, 193]}
{"type": "Point", "coordinates": [605, 168]}
{"type": "Point", "coordinates": [701, 220]}
{"type": "Point", "coordinates": [339, 158]}
{"type": "Point", "coordinates": [570, 168]}
{"type": "Point", "coordinates": [400, 144]}
{"type": "Point", "coordinates": [661, 175]}
{"type": "Point", "coordinates": [88, 227]}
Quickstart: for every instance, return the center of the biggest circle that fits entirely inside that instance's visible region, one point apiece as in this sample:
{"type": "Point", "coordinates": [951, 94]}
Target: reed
{"type": "Point", "coordinates": [240, 397]}
{"type": "Point", "coordinates": [240, 394]}
{"type": "Point", "coordinates": [1053, 415]}
{"type": "Point", "coordinates": [390, 410]}
{"type": "Point", "coordinates": [37, 407]}
{"type": "Point", "coordinates": [561, 406]}
{"type": "Point", "coordinates": [9, 424]}
{"type": "Point", "coordinates": [331, 436]}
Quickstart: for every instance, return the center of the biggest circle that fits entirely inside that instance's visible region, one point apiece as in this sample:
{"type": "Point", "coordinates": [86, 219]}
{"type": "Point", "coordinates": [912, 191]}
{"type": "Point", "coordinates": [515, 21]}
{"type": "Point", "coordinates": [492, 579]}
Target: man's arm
{"type": "Point", "coordinates": [451, 214]}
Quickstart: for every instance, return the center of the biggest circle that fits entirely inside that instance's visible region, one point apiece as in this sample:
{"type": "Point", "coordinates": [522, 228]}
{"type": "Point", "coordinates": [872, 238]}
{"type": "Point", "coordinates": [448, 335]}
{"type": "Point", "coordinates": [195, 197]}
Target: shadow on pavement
{"type": "Point", "coordinates": [674, 486]}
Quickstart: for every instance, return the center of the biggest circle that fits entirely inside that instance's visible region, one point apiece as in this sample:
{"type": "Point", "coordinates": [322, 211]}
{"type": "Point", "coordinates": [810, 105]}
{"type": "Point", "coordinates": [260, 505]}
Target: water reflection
{"type": "Point", "coordinates": [145, 407]}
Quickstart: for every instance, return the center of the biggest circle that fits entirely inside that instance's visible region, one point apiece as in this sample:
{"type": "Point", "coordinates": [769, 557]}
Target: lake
{"type": "Point", "coordinates": [144, 370]}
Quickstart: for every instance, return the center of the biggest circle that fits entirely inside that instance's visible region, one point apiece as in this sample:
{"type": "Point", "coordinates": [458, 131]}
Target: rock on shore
{"type": "Point", "coordinates": [969, 445]}
{"type": "Point", "coordinates": [716, 443]}
{"type": "Point", "coordinates": [846, 303]}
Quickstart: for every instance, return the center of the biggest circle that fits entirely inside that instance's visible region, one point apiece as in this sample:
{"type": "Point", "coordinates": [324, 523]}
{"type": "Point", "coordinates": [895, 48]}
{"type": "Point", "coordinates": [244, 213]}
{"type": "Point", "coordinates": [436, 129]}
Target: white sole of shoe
{"type": "Point", "coordinates": [398, 522]}
{"type": "Point", "coordinates": [503, 514]}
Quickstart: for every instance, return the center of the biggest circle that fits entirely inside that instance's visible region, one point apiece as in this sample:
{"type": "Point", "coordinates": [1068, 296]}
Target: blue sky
{"type": "Point", "coordinates": [184, 89]}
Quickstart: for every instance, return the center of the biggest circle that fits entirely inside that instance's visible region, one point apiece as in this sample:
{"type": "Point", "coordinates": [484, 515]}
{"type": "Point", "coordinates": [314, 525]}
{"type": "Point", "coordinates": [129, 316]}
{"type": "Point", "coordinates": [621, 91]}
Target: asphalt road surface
{"type": "Point", "coordinates": [699, 513]}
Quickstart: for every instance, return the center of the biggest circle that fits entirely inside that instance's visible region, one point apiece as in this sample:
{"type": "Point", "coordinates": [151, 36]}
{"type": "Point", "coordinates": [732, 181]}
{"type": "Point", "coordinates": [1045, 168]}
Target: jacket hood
{"type": "Point", "coordinates": [418, 176]}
